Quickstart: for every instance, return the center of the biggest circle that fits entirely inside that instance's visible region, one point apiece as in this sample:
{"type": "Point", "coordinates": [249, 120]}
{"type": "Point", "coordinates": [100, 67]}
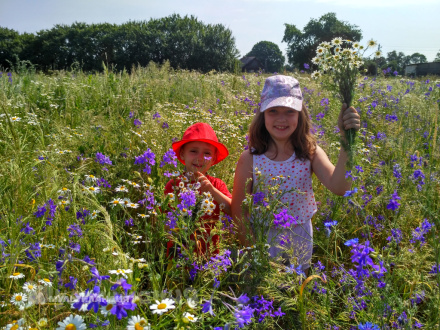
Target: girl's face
{"type": "Point", "coordinates": [198, 156]}
{"type": "Point", "coordinates": [281, 122]}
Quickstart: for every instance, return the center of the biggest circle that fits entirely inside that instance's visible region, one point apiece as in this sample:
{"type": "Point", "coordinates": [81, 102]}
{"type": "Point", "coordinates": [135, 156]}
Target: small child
{"type": "Point", "coordinates": [198, 150]}
{"type": "Point", "coordinates": [280, 143]}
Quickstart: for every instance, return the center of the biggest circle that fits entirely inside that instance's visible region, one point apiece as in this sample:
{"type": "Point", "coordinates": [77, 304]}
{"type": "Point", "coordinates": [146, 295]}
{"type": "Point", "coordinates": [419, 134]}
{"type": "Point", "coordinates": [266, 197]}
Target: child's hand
{"type": "Point", "coordinates": [348, 118]}
{"type": "Point", "coordinates": [205, 184]}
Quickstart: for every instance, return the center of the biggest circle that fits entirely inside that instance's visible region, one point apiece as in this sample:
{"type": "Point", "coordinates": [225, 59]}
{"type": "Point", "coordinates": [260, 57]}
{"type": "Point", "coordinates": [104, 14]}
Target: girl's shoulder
{"type": "Point", "coordinates": [245, 162]}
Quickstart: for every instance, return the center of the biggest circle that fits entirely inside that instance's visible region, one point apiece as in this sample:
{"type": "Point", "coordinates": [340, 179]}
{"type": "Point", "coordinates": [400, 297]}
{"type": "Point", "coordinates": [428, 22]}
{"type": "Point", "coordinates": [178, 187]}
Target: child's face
{"type": "Point", "coordinates": [281, 122]}
{"type": "Point", "coordinates": [198, 156]}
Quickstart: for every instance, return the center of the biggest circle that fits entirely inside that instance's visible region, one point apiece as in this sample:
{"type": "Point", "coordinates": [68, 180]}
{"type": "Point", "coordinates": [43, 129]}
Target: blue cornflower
{"type": "Point", "coordinates": [96, 277]}
{"type": "Point", "coordinates": [284, 219]}
{"type": "Point", "coordinates": [207, 307]}
{"type": "Point", "coordinates": [103, 159]}
{"type": "Point", "coordinates": [394, 204]}
{"type": "Point", "coordinates": [123, 284]}
{"type": "Point", "coordinates": [27, 229]}
{"type": "Point", "coordinates": [72, 283]}
{"type": "Point", "coordinates": [368, 326]}
{"type": "Point", "coordinates": [75, 230]}
{"type": "Point", "coordinates": [352, 241]}
{"type": "Point", "coordinates": [121, 304]}
{"type": "Point", "coordinates": [137, 122]}
{"type": "Point", "coordinates": [435, 269]}
{"type": "Point", "coordinates": [243, 316]}
{"type": "Point", "coordinates": [349, 193]}
{"type": "Point", "coordinates": [95, 300]}
{"type": "Point", "coordinates": [148, 158]}
{"type": "Point", "coordinates": [169, 158]}
{"type": "Point", "coordinates": [306, 66]}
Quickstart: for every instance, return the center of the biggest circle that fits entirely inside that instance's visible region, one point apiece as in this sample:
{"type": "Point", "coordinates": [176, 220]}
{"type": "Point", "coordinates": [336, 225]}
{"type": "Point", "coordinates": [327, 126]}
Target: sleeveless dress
{"type": "Point", "coordinates": [297, 175]}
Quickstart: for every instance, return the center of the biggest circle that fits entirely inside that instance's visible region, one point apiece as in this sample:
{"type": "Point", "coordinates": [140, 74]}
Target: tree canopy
{"type": "Point", "coordinates": [301, 45]}
{"type": "Point", "coordinates": [185, 42]}
{"type": "Point", "coordinates": [269, 54]}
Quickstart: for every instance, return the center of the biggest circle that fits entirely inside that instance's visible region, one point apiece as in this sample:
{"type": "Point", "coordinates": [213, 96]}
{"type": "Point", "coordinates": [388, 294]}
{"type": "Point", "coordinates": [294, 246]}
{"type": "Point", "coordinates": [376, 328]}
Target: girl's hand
{"type": "Point", "coordinates": [205, 184]}
{"type": "Point", "coordinates": [348, 118]}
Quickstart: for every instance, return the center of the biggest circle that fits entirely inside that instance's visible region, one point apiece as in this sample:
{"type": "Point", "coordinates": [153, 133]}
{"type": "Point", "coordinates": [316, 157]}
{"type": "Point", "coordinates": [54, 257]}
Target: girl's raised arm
{"type": "Point", "coordinates": [333, 177]}
{"type": "Point", "coordinates": [243, 173]}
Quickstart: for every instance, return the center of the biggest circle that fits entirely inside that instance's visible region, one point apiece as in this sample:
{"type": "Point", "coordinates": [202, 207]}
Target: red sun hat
{"type": "Point", "coordinates": [201, 132]}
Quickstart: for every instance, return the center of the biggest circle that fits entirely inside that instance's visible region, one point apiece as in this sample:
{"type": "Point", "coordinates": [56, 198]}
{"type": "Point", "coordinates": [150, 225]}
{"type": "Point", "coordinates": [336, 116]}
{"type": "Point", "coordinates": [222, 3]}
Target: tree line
{"type": "Point", "coordinates": [185, 42]}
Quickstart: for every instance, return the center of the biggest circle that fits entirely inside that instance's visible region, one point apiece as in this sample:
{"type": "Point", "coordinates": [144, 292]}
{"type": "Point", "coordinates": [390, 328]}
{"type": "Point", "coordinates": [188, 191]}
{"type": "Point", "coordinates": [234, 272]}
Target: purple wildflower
{"type": "Point", "coordinates": [148, 158]}
{"type": "Point", "coordinates": [103, 159]}
{"type": "Point", "coordinates": [284, 219]}
{"type": "Point", "coordinates": [121, 304]}
{"type": "Point", "coordinates": [169, 158]}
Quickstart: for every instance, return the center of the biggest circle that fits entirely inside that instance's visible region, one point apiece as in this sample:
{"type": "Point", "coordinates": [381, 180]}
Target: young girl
{"type": "Point", "coordinates": [198, 150]}
{"type": "Point", "coordinates": [280, 143]}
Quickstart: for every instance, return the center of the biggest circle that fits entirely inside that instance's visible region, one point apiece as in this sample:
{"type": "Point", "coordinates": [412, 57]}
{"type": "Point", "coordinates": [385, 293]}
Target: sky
{"type": "Point", "coordinates": [406, 26]}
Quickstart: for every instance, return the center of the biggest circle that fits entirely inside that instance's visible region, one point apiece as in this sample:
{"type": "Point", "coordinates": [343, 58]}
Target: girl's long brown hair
{"type": "Point", "coordinates": [303, 141]}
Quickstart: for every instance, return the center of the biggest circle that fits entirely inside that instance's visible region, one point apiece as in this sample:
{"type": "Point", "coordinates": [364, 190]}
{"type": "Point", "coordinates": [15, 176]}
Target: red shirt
{"type": "Point", "coordinates": [220, 186]}
{"type": "Point", "coordinates": [217, 183]}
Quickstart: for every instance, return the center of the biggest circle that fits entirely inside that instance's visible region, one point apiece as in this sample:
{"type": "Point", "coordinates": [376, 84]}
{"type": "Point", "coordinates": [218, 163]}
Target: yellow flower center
{"type": "Point", "coordinates": [30, 287]}
{"type": "Point", "coordinates": [18, 298]}
{"type": "Point", "coordinates": [15, 327]}
{"type": "Point", "coordinates": [190, 318]}
{"type": "Point", "coordinates": [137, 326]}
{"type": "Point", "coordinates": [70, 326]}
{"type": "Point", "coordinates": [46, 280]}
{"type": "Point", "coordinates": [108, 307]}
{"type": "Point", "coordinates": [16, 274]}
{"type": "Point", "coordinates": [162, 306]}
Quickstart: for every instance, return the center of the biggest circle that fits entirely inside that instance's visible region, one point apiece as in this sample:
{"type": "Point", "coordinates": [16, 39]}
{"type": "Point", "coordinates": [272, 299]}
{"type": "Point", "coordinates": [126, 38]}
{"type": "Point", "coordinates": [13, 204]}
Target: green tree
{"type": "Point", "coordinates": [301, 45]}
{"type": "Point", "coordinates": [10, 47]}
{"type": "Point", "coordinates": [417, 58]}
{"type": "Point", "coordinates": [437, 57]}
{"type": "Point", "coordinates": [269, 54]}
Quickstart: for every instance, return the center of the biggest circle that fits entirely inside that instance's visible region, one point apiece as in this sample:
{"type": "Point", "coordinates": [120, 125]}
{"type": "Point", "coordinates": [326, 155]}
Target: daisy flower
{"type": "Point", "coordinates": [72, 322]}
{"type": "Point", "coordinates": [94, 214]}
{"type": "Point", "coordinates": [191, 303]}
{"type": "Point", "coordinates": [133, 205]}
{"type": "Point", "coordinates": [29, 287]}
{"type": "Point", "coordinates": [320, 51]}
{"type": "Point", "coordinates": [15, 118]}
{"type": "Point", "coordinates": [18, 299]}
{"type": "Point", "coordinates": [316, 60]}
{"type": "Point", "coordinates": [15, 325]}
{"type": "Point", "coordinates": [337, 49]}
{"type": "Point", "coordinates": [188, 317]}
{"type": "Point", "coordinates": [137, 323]}
{"type": "Point", "coordinates": [337, 41]}
{"type": "Point", "coordinates": [115, 202]}
{"type": "Point", "coordinates": [125, 202]}
{"type": "Point", "coordinates": [16, 275]}
{"type": "Point", "coordinates": [122, 272]}
{"type": "Point", "coordinates": [378, 53]}
{"type": "Point", "coordinates": [93, 190]}
{"type": "Point", "coordinates": [356, 45]}
{"type": "Point", "coordinates": [163, 306]}
{"type": "Point", "coordinates": [90, 178]}
{"type": "Point", "coordinates": [134, 184]}
{"type": "Point", "coordinates": [121, 189]}
{"type": "Point", "coordinates": [45, 282]}
{"type": "Point", "coordinates": [372, 43]}
{"type": "Point", "coordinates": [316, 74]}
{"type": "Point", "coordinates": [105, 310]}
{"type": "Point", "coordinates": [63, 191]}
{"type": "Point", "coordinates": [142, 215]}
{"type": "Point", "coordinates": [42, 322]}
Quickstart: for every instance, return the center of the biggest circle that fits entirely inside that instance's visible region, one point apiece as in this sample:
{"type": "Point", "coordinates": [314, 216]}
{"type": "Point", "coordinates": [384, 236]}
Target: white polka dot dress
{"type": "Point", "coordinates": [297, 175]}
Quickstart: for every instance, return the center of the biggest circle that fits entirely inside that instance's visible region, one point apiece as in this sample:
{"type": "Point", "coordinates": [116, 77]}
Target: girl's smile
{"type": "Point", "coordinates": [281, 122]}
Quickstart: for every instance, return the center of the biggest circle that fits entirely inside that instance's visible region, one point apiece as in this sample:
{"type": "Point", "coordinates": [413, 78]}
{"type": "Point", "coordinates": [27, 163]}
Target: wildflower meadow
{"type": "Point", "coordinates": [84, 221]}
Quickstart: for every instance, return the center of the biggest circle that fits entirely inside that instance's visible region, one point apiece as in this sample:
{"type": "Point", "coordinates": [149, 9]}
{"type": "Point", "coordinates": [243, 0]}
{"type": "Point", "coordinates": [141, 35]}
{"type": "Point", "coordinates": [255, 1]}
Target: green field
{"type": "Point", "coordinates": [68, 141]}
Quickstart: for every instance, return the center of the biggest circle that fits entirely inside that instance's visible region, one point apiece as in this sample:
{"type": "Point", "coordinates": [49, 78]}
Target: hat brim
{"type": "Point", "coordinates": [283, 101]}
{"type": "Point", "coordinates": [222, 151]}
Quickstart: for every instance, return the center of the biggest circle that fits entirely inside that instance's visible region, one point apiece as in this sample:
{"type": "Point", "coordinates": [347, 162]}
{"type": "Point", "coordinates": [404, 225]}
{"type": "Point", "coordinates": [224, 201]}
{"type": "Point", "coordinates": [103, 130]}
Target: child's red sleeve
{"type": "Point", "coordinates": [221, 186]}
